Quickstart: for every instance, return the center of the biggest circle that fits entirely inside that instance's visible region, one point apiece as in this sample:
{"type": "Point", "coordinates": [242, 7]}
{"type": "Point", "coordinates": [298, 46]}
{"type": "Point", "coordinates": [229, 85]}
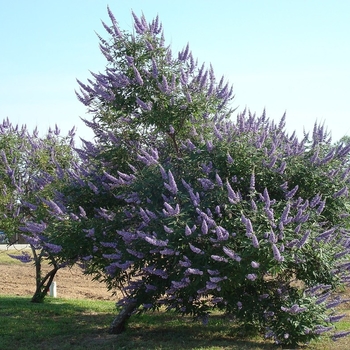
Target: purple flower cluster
{"type": "Point", "coordinates": [25, 257]}
{"type": "Point", "coordinates": [52, 248]}
{"type": "Point", "coordinates": [294, 309]}
{"type": "Point", "coordinates": [170, 211]}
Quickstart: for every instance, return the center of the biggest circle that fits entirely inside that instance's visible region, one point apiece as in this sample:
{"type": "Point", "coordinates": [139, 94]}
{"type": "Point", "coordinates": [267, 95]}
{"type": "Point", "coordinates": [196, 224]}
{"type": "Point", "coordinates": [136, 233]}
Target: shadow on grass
{"type": "Point", "coordinates": [167, 331]}
{"type": "Point", "coordinates": [25, 325]}
{"type": "Point", "coordinates": [183, 339]}
{"type": "Point", "coordinates": [80, 324]}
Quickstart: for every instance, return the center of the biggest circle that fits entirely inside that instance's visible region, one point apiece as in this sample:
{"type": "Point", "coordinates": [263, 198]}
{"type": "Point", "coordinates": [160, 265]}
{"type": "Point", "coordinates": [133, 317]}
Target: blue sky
{"type": "Point", "coordinates": [281, 55]}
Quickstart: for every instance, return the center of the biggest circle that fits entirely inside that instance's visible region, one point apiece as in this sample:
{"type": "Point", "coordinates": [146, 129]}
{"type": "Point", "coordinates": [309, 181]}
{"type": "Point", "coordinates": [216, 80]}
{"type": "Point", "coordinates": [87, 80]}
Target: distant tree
{"type": "Point", "coordinates": [32, 171]}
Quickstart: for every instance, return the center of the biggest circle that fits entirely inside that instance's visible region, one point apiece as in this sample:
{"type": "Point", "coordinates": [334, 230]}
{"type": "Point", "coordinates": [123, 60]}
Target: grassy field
{"type": "Point", "coordinates": [82, 324]}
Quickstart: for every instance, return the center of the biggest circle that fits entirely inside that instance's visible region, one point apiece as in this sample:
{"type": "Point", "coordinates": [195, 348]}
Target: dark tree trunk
{"type": "Point", "coordinates": [42, 284]}
{"type": "Point", "coordinates": [42, 289]}
{"type": "Point", "coordinates": [119, 323]}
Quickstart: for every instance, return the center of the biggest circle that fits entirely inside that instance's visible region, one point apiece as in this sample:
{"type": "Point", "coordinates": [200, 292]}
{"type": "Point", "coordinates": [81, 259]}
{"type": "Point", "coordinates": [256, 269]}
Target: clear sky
{"type": "Point", "coordinates": [282, 55]}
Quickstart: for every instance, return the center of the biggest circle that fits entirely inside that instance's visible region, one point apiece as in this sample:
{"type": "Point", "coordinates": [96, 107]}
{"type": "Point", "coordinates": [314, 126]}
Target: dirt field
{"type": "Point", "coordinates": [71, 283]}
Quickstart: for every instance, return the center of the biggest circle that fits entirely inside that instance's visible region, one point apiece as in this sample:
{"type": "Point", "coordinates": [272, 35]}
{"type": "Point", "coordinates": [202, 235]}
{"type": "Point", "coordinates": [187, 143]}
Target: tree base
{"type": "Point", "coordinates": [119, 323]}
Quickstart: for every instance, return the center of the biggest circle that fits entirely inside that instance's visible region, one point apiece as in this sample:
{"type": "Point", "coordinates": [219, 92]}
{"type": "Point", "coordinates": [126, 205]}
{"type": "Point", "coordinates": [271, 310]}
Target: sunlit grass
{"type": "Point", "coordinates": [25, 325]}
{"type": "Point", "coordinates": [83, 324]}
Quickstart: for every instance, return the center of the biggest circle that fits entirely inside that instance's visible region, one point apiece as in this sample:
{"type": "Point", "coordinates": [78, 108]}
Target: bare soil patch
{"type": "Point", "coordinates": [19, 279]}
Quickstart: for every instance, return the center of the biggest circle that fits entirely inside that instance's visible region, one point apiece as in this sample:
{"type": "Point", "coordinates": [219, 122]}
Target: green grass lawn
{"type": "Point", "coordinates": [82, 324]}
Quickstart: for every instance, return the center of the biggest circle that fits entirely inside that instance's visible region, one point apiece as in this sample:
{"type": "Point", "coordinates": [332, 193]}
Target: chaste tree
{"type": "Point", "coordinates": [32, 170]}
{"type": "Point", "coordinates": [179, 206]}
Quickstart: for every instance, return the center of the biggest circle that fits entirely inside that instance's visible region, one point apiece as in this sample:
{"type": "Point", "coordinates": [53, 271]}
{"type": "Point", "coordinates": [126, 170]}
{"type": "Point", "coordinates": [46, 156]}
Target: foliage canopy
{"type": "Point", "coordinates": [177, 205]}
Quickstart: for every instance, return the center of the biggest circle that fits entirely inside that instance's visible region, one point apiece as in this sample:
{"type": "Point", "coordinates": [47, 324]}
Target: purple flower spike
{"type": "Point", "coordinates": [249, 227]}
{"type": "Point", "coordinates": [170, 211]}
{"type": "Point", "coordinates": [156, 242]}
{"type": "Point", "coordinates": [218, 180]}
{"type": "Point", "coordinates": [269, 213]}
{"type": "Point", "coordinates": [53, 206]}
{"type": "Point", "coordinates": [210, 146]}
{"type": "Point", "coordinates": [232, 197]}
{"type": "Point", "coordinates": [333, 304]}
{"type": "Point", "coordinates": [321, 207]}
{"type": "Point", "coordinates": [130, 60]}
{"type": "Point", "coordinates": [138, 77]}
{"type": "Point", "coordinates": [115, 23]}
{"type": "Point", "coordinates": [266, 198]}
{"type": "Point", "coordinates": [253, 205]}
{"type": "Point", "coordinates": [188, 231]}
{"type": "Point", "coordinates": [163, 172]}
{"type": "Point", "coordinates": [167, 251]}
{"type": "Point", "coordinates": [230, 253]}
{"type": "Point", "coordinates": [192, 271]}
{"type": "Point", "coordinates": [145, 106]}
{"type": "Point", "coordinates": [53, 248]}
{"type": "Point", "coordinates": [303, 240]}
{"type": "Point", "coordinates": [342, 192]}
{"type": "Point", "coordinates": [24, 258]}
{"type": "Point", "coordinates": [295, 309]}
{"type": "Point", "coordinates": [255, 265]}
{"type": "Point", "coordinates": [339, 335]}
{"type": "Point", "coordinates": [251, 276]}
{"type": "Point", "coordinates": [255, 241]}
{"type": "Point", "coordinates": [282, 167]}
{"type": "Point", "coordinates": [322, 329]}
{"type": "Point", "coordinates": [291, 193]}
{"type": "Point", "coordinates": [168, 229]}
{"type": "Point", "coordinates": [276, 253]}
{"type": "Point", "coordinates": [172, 187]}
{"type": "Point", "coordinates": [315, 200]}
{"type": "Point", "coordinates": [185, 263]}
{"type": "Point", "coordinates": [164, 87]}
{"type": "Point", "coordinates": [336, 318]}
{"type": "Point", "coordinates": [139, 25]}
{"type": "Point", "coordinates": [204, 227]}
{"type": "Point", "coordinates": [252, 182]}
{"type": "Point", "coordinates": [221, 233]}
{"type": "Point", "coordinates": [195, 249]}
{"type": "Point", "coordinates": [229, 159]}
{"type": "Point", "coordinates": [284, 217]}
{"type": "Point", "coordinates": [206, 184]}
{"type": "Point", "coordinates": [218, 258]}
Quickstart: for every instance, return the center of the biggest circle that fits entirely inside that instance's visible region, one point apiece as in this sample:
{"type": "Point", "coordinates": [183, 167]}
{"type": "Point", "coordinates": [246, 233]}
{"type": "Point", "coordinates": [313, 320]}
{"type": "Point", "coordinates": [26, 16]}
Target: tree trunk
{"type": "Point", "coordinates": [42, 289]}
{"type": "Point", "coordinates": [119, 323]}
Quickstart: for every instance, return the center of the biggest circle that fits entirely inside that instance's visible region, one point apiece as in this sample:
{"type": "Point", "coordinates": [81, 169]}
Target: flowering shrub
{"type": "Point", "coordinates": [178, 206]}
{"type": "Point", "coordinates": [201, 212]}
{"type": "Point", "coordinates": [234, 223]}
{"type": "Point", "coordinates": [33, 168]}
